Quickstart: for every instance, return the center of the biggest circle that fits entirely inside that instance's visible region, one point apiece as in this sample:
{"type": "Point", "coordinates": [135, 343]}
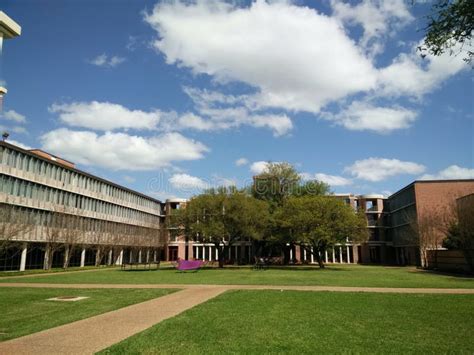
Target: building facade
{"type": "Point", "coordinates": [51, 211]}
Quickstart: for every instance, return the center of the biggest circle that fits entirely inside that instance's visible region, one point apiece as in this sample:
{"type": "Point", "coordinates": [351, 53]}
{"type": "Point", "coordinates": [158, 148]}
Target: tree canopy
{"type": "Point", "coordinates": [450, 27]}
{"type": "Point", "coordinates": [318, 223]}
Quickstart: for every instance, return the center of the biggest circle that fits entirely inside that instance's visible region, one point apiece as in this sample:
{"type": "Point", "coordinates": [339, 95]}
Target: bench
{"type": "Point", "coordinates": [188, 265]}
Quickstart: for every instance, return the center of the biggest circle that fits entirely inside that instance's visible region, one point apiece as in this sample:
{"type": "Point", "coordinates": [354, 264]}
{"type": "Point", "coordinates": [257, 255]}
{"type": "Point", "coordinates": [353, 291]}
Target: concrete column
{"type": "Point", "coordinates": [217, 254]}
{"type": "Point", "coordinates": [340, 255]}
{"type": "Point", "coordinates": [47, 255]}
{"type": "Point", "coordinates": [291, 254]}
{"type": "Point", "coordinates": [109, 261]}
{"type": "Point", "coordinates": [140, 256]}
{"type": "Point", "coordinates": [197, 252]}
{"type": "Point", "coordinates": [210, 253]}
{"type": "Point", "coordinates": [312, 255]}
{"type": "Point", "coordinates": [131, 256]}
{"type": "Point", "coordinates": [119, 259]}
{"type": "Point", "coordinates": [326, 256]}
{"type": "Point", "coordinates": [333, 255]}
{"type": "Point", "coordinates": [235, 248]}
{"type": "Point", "coordinates": [304, 255]}
{"type": "Point", "coordinates": [83, 257]}
{"type": "Point", "coordinates": [147, 256]}
{"type": "Point", "coordinates": [24, 251]}
{"type": "Point", "coordinates": [348, 254]}
{"type": "Point", "coordinates": [154, 256]}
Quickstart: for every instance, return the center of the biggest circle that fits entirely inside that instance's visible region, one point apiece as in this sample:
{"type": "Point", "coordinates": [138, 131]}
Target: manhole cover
{"type": "Point", "coordinates": [67, 298]}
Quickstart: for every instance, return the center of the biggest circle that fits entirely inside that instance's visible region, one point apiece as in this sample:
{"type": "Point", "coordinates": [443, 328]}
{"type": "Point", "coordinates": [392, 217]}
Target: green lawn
{"type": "Point", "coordinates": [263, 322]}
{"type": "Point", "coordinates": [337, 275]}
{"type": "Point", "coordinates": [25, 310]}
{"type": "Point", "coordinates": [40, 271]}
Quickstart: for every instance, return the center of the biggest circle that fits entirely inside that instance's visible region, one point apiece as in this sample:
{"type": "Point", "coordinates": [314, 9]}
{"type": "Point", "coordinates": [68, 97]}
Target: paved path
{"type": "Point", "coordinates": [249, 287]}
{"type": "Point", "coordinates": [93, 334]}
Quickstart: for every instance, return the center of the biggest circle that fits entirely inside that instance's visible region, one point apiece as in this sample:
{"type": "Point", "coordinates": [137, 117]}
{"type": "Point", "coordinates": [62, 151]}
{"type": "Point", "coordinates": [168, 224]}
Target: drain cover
{"type": "Point", "coordinates": [67, 298]}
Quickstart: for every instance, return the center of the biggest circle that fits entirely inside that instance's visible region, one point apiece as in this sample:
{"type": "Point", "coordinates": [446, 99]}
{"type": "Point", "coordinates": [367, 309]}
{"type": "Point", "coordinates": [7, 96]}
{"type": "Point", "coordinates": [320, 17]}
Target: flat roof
{"type": "Point", "coordinates": [429, 182]}
{"type": "Point", "coordinates": [27, 152]}
{"type": "Point", "coordinates": [8, 27]}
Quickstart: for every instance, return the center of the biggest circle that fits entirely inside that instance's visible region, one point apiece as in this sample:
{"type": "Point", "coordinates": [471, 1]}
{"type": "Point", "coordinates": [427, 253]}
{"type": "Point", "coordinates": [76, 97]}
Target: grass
{"type": "Point", "coordinates": [25, 310]}
{"type": "Point", "coordinates": [41, 271]}
{"type": "Point", "coordinates": [337, 275]}
{"type": "Point", "coordinates": [263, 322]}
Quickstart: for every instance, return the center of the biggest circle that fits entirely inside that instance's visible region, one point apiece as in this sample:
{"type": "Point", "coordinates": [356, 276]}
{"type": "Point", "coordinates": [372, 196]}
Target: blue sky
{"type": "Point", "coordinates": [168, 98]}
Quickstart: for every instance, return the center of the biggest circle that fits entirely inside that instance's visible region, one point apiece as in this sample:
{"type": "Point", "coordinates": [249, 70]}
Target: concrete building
{"type": "Point", "coordinates": [58, 206]}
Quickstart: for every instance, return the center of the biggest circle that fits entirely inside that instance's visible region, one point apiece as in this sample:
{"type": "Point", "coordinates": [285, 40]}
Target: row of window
{"type": "Point", "coordinates": [22, 188]}
{"type": "Point", "coordinates": [38, 166]}
{"type": "Point", "coordinates": [30, 216]}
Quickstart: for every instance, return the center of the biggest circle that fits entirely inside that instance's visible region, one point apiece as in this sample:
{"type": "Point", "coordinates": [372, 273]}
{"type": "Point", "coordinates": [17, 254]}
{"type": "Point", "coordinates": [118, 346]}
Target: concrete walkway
{"type": "Point", "coordinates": [249, 287]}
{"type": "Point", "coordinates": [93, 334]}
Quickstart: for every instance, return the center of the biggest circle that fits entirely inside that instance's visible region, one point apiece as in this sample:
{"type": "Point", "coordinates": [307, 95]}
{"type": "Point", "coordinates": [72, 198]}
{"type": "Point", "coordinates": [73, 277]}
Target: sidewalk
{"type": "Point", "coordinates": [250, 287]}
{"type": "Point", "coordinates": [91, 335]}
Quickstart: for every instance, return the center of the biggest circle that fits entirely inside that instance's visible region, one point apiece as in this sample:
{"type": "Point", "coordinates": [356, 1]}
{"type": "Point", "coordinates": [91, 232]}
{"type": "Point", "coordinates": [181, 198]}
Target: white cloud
{"type": "Point", "coordinates": [378, 18]}
{"type": "Point", "coordinates": [450, 173]}
{"type": "Point", "coordinates": [241, 162]}
{"type": "Point", "coordinates": [105, 116]}
{"type": "Point", "coordinates": [333, 180]}
{"type": "Point", "coordinates": [258, 167]}
{"type": "Point", "coordinates": [228, 111]}
{"type": "Point", "coordinates": [14, 116]}
{"type": "Point", "coordinates": [19, 144]}
{"type": "Point", "coordinates": [104, 60]}
{"type": "Point", "coordinates": [295, 57]}
{"type": "Point", "coordinates": [185, 182]}
{"type": "Point", "coordinates": [120, 151]}
{"type": "Point", "coordinates": [409, 75]}
{"type": "Point", "coordinates": [363, 116]}
{"type": "Point", "coordinates": [378, 169]}
{"type": "Point", "coordinates": [129, 179]}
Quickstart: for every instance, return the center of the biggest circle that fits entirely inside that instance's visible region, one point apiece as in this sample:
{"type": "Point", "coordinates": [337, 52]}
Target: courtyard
{"type": "Point", "coordinates": [239, 310]}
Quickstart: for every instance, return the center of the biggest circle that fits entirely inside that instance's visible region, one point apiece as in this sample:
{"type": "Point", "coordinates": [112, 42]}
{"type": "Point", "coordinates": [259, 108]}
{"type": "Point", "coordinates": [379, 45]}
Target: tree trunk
{"type": "Point", "coordinates": [47, 256]}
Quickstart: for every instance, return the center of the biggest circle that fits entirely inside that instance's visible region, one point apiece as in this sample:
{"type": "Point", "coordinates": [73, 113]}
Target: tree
{"type": "Point", "coordinates": [73, 234]}
{"type": "Point", "coordinates": [54, 236]}
{"type": "Point", "coordinates": [221, 217]}
{"type": "Point", "coordinates": [461, 232]}
{"type": "Point", "coordinates": [450, 27]}
{"type": "Point", "coordinates": [276, 183]}
{"type": "Point", "coordinates": [318, 223]}
{"type": "Point", "coordinates": [14, 224]}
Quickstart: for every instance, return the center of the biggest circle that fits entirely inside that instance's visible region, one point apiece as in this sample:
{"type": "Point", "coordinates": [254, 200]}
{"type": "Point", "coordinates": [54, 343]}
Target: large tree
{"type": "Point", "coordinates": [222, 217]}
{"type": "Point", "coordinates": [275, 184]}
{"type": "Point", "coordinates": [450, 27]}
{"type": "Point", "coordinates": [318, 223]}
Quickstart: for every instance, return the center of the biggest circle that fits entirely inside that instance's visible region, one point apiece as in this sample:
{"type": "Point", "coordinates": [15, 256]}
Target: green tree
{"type": "Point", "coordinates": [222, 217]}
{"type": "Point", "coordinates": [450, 27]}
{"type": "Point", "coordinates": [460, 235]}
{"type": "Point", "coordinates": [318, 223]}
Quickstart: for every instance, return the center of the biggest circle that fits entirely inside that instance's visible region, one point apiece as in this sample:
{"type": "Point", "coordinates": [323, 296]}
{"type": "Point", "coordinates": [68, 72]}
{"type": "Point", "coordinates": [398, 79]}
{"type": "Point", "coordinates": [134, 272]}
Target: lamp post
{"type": "Point", "coordinates": [8, 29]}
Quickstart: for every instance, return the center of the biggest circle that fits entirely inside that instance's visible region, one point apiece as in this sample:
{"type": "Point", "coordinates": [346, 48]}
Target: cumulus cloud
{"type": "Point", "coordinates": [106, 61]}
{"type": "Point", "coordinates": [378, 19]}
{"type": "Point", "coordinates": [363, 116]}
{"type": "Point", "coordinates": [241, 162]}
{"type": "Point", "coordinates": [258, 167]}
{"type": "Point", "coordinates": [120, 151]}
{"type": "Point", "coordinates": [228, 111]}
{"type": "Point", "coordinates": [19, 144]}
{"type": "Point", "coordinates": [378, 169]}
{"type": "Point", "coordinates": [450, 173]}
{"type": "Point", "coordinates": [295, 59]}
{"type": "Point", "coordinates": [333, 180]}
{"type": "Point", "coordinates": [14, 116]}
{"type": "Point", "coordinates": [294, 56]}
{"type": "Point", "coordinates": [104, 116]}
{"type": "Point", "coordinates": [409, 75]}
{"type": "Point", "coordinates": [186, 182]}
